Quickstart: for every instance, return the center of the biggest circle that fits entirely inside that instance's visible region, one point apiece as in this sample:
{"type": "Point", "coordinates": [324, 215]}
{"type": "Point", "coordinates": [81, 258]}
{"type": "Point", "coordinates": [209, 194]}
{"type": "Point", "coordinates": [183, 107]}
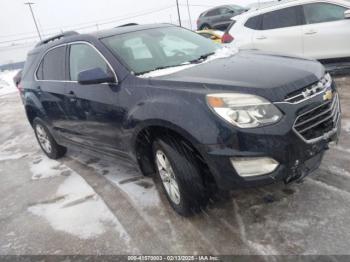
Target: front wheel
{"type": "Point", "coordinates": [180, 176]}
{"type": "Point", "coordinates": [46, 141]}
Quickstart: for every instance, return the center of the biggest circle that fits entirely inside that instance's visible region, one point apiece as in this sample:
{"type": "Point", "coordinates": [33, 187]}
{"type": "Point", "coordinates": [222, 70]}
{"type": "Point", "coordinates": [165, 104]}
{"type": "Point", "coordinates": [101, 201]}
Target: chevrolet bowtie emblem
{"type": "Point", "coordinates": [328, 95]}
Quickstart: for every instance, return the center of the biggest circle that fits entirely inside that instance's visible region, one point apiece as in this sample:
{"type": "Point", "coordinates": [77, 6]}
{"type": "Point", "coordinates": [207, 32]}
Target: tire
{"type": "Point", "coordinates": [192, 194]}
{"type": "Point", "coordinates": [46, 141]}
{"type": "Point", "coordinates": [205, 27]}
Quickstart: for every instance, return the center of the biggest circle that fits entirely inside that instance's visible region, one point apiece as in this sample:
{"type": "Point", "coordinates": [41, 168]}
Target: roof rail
{"type": "Point", "coordinates": [129, 24]}
{"type": "Point", "coordinates": [267, 4]}
{"type": "Point", "coordinates": [56, 37]}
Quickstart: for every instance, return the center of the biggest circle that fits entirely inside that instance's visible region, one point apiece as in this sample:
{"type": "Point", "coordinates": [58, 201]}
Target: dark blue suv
{"type": "Point", "coordinates": [198, 115]}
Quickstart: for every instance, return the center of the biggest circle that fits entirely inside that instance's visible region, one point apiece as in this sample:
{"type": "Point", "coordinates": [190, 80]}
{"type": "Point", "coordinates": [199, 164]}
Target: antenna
{"type": "Point", "coordinates": [31, 10]}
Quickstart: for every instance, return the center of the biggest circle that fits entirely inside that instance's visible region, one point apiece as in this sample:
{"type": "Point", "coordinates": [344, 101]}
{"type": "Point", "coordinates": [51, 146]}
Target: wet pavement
{"type": "Point", "coordinates": [91, 204]}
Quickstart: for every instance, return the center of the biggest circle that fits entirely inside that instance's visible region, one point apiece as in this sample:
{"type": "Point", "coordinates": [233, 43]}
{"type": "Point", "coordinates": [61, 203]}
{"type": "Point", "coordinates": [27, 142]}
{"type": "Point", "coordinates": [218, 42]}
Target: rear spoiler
{"type": "Point", "coordinates": [56, 37]}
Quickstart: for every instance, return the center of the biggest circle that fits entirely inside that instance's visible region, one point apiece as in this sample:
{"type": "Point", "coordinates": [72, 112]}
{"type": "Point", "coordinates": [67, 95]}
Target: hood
{"type": "Point", "coordinates": [268, 75]}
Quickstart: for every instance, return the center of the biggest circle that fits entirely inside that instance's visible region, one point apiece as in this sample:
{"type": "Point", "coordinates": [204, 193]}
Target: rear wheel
{"type": "Point", "coordinates": [179, 176]}
{"type": "Point", "coordinates": [46, 141]}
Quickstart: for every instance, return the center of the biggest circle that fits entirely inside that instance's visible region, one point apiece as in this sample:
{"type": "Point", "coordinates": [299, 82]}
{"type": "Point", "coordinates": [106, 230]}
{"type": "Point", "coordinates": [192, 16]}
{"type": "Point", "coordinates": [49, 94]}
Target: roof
{"type": "Point", "coordinates": [126, 29]}
{"type": "Point", "coordinates": [284, 3]}
{"type": "Point", "coordinates": [279, 4]}
{"type": "Point", "coordinates": [73, 36]}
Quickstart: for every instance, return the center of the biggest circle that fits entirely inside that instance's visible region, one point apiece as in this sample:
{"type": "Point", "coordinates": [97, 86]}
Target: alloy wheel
{"type": "Point", "coordinates": [43, 138]}
{"type": "Point", "coordinates": [167, 176]}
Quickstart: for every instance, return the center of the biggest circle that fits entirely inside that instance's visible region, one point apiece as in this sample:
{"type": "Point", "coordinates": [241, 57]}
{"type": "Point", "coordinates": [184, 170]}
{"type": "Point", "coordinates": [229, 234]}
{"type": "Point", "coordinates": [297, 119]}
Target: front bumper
{"type": "Point", "coordinates": [297, 157]}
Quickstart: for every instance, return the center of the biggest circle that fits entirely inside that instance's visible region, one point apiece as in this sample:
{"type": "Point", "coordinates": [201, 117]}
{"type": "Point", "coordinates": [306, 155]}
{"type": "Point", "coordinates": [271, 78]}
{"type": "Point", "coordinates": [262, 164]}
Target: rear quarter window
{"type": "Point", "coordinates": [254, 22]}
{"type": "Point", "coordinates": [29, 65]}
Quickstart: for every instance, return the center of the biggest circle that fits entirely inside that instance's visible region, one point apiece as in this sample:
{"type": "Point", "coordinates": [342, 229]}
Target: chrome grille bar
{"type": "Point", "coordinates": [331, 114]}
{"type": "Point", "coordinates": [316, 116]}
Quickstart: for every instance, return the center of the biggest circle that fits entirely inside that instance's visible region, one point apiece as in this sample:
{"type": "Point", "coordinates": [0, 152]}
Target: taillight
{"type": "Point", "coordinates": [227, 38]}
{"type": "Point", "coordinates": [19, 87]}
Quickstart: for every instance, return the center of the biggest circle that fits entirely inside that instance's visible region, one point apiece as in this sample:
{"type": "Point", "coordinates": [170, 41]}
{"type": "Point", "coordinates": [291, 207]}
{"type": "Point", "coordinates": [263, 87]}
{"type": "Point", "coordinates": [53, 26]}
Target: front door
{"type": "Point", "coordinates": [94, 114]}
{"type": "Point", "coordinates": [326, 33]}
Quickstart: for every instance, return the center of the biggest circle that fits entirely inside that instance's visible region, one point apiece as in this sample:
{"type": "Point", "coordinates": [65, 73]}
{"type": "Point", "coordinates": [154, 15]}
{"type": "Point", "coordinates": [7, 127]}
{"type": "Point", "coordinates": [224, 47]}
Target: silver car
{"type": "Point", "coordinates": [218, 17]}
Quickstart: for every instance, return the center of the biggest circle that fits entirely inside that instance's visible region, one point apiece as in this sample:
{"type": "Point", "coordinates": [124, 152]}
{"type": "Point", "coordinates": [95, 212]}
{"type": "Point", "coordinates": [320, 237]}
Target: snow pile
{"type": "Point", "coordinates": [5, 156]}
{"type": "Point", "coordinates": [78, 210]}
{"type": "Point", "coordinates": [223, 52]}
{"type": "Point", "coordinates": [7, 85]}
{"type": "Point", "coordinates": [45, 168]}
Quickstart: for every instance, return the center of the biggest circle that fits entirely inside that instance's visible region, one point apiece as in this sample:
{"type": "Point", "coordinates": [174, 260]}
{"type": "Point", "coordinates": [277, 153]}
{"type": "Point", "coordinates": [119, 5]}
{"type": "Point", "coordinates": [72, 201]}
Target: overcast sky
{"type": "Point", "coordinates": [86, 15]}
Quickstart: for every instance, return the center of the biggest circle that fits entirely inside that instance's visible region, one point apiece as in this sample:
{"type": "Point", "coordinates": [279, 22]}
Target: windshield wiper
{"type": "Point", "coordinates": [158, 68]}
{"type": "Point", "coordinates": [201, 58]}
{"type": "Point", "coordinates": [197, 60]}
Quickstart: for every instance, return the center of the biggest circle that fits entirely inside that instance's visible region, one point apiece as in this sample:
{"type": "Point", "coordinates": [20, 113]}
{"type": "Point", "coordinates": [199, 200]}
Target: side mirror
{"type": "Point", "coordinates": [213, 37]}
{"type": "Point", "coordinates": [347, 14]}
{"type": "Point", "coordinates": [94, 76]}
{"type": "Point", "coordinates": [231, 12]}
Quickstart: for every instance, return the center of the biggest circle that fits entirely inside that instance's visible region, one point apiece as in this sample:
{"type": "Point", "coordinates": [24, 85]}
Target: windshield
{"type": "Point", "coordinates": [152, 49]}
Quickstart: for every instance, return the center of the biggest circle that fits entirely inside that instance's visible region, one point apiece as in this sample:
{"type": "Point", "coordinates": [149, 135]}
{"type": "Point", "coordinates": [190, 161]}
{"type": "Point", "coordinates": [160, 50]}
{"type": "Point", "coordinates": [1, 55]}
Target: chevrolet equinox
{"type": "Point", "coordinates": [200, 116]}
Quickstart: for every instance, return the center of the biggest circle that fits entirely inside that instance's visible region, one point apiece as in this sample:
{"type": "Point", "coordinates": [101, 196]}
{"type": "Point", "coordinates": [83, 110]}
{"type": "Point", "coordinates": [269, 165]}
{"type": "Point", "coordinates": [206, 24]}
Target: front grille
{"type": "Point", "coordinates": [318, 122]}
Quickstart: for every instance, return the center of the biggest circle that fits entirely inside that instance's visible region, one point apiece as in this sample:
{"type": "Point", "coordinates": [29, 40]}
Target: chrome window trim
{"type": "Point", "coordinates": [67, 44]}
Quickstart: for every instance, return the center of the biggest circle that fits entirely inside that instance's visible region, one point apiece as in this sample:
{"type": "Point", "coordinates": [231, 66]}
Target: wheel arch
{"type": "Point", "coordinates": [145, 136]}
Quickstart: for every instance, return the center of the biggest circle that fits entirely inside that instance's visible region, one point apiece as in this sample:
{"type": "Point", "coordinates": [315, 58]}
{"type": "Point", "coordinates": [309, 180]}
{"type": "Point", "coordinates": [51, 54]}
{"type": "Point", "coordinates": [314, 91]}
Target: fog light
{"type": "Point", "coordinates": [254, 166]}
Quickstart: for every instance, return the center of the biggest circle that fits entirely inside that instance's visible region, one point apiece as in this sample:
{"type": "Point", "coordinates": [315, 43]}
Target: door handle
{"type": "Point", "coordinates": [38, 89]}
{"type": "Point", "coordinates": [72, 96]}
{"type": "Point", "coordinates": [311, 32]}
{"type": "Point", "coordinates": [262, 37]}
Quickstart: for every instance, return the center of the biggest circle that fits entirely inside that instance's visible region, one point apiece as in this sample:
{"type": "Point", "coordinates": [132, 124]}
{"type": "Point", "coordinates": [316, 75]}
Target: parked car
{"type": "Point", "coordinates": [218, 17]}
{"type": "Point", "coordinates": [214, 35]}
{"type": "Point", "coordinates": [197, 115]}
{"type": "Point", "coordinates": [310, 28]}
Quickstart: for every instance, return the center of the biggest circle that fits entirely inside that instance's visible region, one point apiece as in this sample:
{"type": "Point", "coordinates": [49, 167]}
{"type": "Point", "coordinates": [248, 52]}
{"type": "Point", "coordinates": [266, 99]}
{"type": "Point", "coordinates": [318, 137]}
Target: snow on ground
{"type": "Point", "coordinates": [7, 85]}
{"type": "Point", "coordinates": [44, 168]}
{"type": "Point", "coordinates": [223, 52]}
{"type": "Point", "coordinates": [140, 189]}
{"type": "Point", "coordinates": [346, 125]}
{"type": "Point", "coordinates": [75, 208]}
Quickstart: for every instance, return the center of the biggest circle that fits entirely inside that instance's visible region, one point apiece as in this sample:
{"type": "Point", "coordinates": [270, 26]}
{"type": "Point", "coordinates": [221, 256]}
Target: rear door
{"type": "Point", "coordinates": [326, 33]}
{"type": "Point", "coordinates": [94, 115]}
{"type": "Point", "coordinates": [50, 86]}
{"type": "Point", "coordinates": [280, 31]}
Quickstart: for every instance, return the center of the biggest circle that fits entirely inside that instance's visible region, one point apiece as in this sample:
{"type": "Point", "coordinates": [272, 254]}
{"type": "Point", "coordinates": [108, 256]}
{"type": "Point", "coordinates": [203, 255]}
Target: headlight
{"type": "Point", "coordinates": [244, 110]}
{"type": "Point", "coordinates": [326, 81]}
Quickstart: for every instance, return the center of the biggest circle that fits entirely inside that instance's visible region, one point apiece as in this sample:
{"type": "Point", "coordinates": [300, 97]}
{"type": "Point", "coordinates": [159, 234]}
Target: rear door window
{"type": "Point", "coordinates": [286, 17]}
{"type": "Point", "coordinates": [213, 12]}
{"type": "Point", "coordinates": [323, 12]}
{"type": "Point", "coordinates": [225, 11]}
{"type": "Point", "coordinates": [52, 66]}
